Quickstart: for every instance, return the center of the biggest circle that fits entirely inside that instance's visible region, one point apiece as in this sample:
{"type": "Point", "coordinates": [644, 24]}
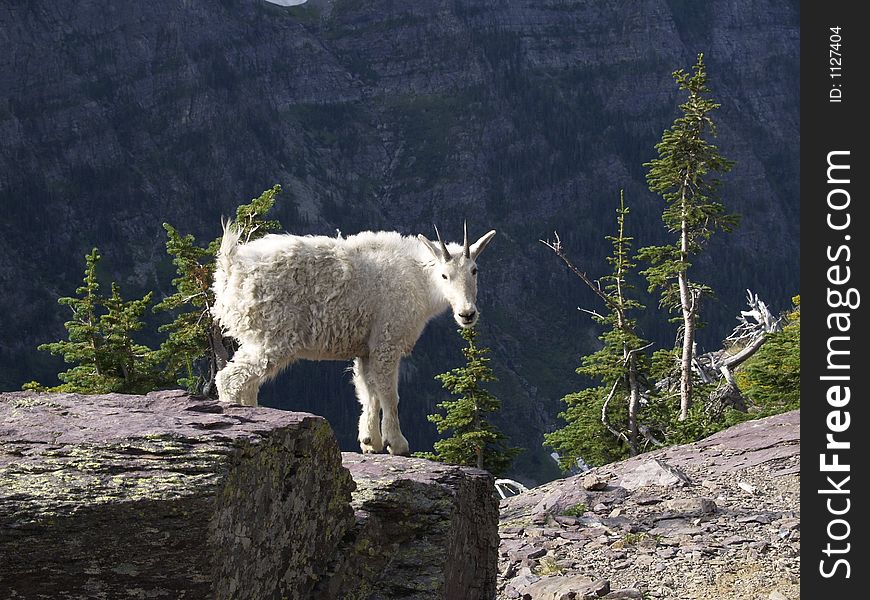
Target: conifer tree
{"type": "Point", "coordinates": [602, 423]}
{"type": "Point", "coordinates": [194, 343]}
{"type": "Point", "coordinates": [195, 349]}
{"type": "Point", "coordinates": [474, 441]}
{"type": "Point", "coordinates": [684, 174]}
{"type": "Point", "coordinates": [771, 378]}
{"type": "Point", "coordinates": [101, 344]}
{"type": "Point", "coordinates": [84, 346]}
{"type": "Point", "coordinates": [134, 366]}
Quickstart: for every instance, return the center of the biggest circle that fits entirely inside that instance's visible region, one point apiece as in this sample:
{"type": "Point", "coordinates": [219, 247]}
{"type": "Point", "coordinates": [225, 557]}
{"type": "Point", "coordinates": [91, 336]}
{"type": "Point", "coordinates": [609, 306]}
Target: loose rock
{"type": "Point", "coordinates": [669, 541]}
{"type": "Point", "coordinates": [626, 594]}
{"type": "Point", "coordinates": [594, 482]}
{"type": "Point", "coordinates": [692, 507]}
{"type": "Point", "coordinates": [653, 472]}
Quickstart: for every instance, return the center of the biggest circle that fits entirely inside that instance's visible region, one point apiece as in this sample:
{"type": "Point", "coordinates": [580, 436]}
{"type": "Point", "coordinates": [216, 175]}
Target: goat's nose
{"type": "Point", "coordinates": [468, 314]}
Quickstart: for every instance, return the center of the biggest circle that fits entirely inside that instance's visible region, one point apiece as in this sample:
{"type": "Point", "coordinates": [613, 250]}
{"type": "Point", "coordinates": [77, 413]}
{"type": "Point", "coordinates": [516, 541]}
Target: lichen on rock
{"type": "Point", "coordinates": [165, 495]}
{"type": "Point", "coordinates": [423, 530]}
{"type": "Point", "coordinates": [176, 496]}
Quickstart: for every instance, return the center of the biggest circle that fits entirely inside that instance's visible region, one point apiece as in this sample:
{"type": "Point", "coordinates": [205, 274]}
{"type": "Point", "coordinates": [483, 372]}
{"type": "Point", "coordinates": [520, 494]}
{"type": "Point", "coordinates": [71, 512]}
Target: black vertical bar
{"type": "Point", "coordinates": [834, 231]}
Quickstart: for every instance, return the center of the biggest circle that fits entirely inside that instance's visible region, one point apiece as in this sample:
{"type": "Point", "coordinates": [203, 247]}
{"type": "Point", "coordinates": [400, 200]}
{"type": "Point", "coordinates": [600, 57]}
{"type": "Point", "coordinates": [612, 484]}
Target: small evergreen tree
{"type": "Point", "coordinates": [84, 346]}
{"type": "Point", "coordinates": [597, 429]}
{"type": "Point", "coordinates": [135, 366]}
{"type": "Point", "coordinates": [684, 175]}
{"type": "Point", "coordinates": [771, 377]}
{"type": "Point", "coordinates": [584, 437]}
{"type": "Point", "coordinates": [195, 349]}
{"type": "Point", "coordinates": [101, 344]}
{"type": "Point", "coordinates": [474, 441]}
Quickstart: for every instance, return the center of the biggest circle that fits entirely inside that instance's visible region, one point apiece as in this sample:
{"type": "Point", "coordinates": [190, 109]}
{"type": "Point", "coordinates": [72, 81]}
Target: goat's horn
{"type": "Point", "coordinates": [466, 250]}
{"type": "Point", "coordinates": [444, 249]}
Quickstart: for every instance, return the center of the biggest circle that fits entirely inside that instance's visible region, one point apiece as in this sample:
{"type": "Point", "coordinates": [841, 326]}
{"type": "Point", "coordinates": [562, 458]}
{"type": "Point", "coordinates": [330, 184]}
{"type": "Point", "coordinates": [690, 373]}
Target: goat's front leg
{"type": "Point", "coordinates": [385, 378]}
{"type": "Point", "coordinates": [239, 381]}
{"type": "Point", "coordinates": [370, 421]}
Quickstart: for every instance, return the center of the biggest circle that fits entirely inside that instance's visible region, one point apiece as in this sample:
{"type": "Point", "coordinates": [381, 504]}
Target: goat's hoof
{"type": "Point", "coordinates": [368, 448]}
{"type": "Point", "coordinates": [398, 449]}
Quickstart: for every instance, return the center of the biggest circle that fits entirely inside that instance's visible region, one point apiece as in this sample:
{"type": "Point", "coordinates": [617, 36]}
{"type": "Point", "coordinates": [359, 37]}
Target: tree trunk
{"type": "Point", "coordinates": [95, 346]}
{"type": "Point", "coordinates": [221, 354]}
{"type": "Point", "coordinates": [633, 403]}
{"type": "Point", "coordinates": [218, 358]}
{"type": "Point", "coordinates": [687, 302]}
{"type": "Point", "coordinates": [686, 367]}
{"type": "Point", "coordinates": [629, 357]}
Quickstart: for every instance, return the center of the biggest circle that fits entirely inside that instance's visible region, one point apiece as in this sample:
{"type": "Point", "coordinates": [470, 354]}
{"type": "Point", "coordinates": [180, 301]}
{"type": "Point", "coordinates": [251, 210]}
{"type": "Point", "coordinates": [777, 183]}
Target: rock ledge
{"type": "Point", "coordinates": [175, 496]}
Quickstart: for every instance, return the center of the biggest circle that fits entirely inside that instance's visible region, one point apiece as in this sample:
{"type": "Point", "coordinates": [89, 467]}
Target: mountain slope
{"type": "Point", "coordinates": [719, 518]}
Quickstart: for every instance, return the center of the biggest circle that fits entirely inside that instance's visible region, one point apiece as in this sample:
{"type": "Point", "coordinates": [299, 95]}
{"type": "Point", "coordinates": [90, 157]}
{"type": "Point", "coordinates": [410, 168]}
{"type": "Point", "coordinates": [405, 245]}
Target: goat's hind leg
{"type": "Point", "coordinates": [370, 421]}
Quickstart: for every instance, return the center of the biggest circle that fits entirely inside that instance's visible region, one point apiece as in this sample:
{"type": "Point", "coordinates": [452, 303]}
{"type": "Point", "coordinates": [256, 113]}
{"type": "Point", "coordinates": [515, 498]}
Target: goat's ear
{"type": "Point", "coordinates": [478, 246]}
{"type": "Point", "coordinates": [436, 252]}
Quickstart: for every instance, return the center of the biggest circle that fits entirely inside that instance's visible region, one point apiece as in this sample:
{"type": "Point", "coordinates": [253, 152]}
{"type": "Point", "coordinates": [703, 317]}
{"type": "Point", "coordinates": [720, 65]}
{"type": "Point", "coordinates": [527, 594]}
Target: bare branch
{"type": "Point", "coordinates": [648, 436]}
{"type": "Point", "coordinates": [192, 296]}
{"type": "Point", "coordinates": [619, 435]}
{"type": "Point", "coordinates": [251, 232]}
{"type": "Point", "coordinates": [758, 319]}
{"type": "Point", "coordinates": [200, 317]}
{"type": "Point", "coordinates": [590, 312]}
{"type": "Point", "coordinates": [747, 337]}
{"type": "Point", "coordinates": [636, 350]}
{"type": "Point", "coordinates": [593, 285]}
{"type": "Point", "coordinates": [735, 359]}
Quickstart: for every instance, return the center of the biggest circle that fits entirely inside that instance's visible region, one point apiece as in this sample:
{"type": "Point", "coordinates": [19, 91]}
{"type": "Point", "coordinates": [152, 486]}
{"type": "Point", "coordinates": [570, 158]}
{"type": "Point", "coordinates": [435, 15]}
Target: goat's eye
{"type": "Point", "coordinates": [443, 276]}
{"type": "Point", "coordinates": [474, 271]}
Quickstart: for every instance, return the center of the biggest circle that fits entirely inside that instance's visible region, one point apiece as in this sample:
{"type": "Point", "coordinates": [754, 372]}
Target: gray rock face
{"type": "Point", "coordinates": [172, 496]}
{"type": "Point", "coordinates": [423, 531]}
{"type": "Point", "coordinates": [165, 495]}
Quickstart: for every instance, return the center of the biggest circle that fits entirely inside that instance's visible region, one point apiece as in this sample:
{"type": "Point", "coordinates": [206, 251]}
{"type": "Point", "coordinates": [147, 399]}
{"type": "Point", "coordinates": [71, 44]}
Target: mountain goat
{"type": "Point", "coordinates": [366, 297]}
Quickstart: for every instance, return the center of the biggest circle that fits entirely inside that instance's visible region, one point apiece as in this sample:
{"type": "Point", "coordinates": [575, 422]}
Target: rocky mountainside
{"type": "Point", "coordinates": [719, 518]}
{"type": "Point", "coordinates": [520, 116]}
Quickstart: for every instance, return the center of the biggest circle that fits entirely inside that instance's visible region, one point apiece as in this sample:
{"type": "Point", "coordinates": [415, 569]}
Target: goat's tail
{"type": "Point", "coordinates": [229, 245]}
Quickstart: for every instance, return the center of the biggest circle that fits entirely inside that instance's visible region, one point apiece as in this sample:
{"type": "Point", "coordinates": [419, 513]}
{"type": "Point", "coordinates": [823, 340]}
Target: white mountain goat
{"type": "Point", "coordinates": [366, 297]}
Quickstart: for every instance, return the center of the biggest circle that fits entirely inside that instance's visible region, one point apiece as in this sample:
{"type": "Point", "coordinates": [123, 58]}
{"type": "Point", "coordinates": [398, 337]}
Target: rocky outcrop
{"type": "Point", "coordinates": [170, 496]}
{"type": "Point", "coordinates": [719, 518]}
{"type": "Point", "coordinates": [422, 532]}
{"type": "Point", "coordinates": [165, 495]}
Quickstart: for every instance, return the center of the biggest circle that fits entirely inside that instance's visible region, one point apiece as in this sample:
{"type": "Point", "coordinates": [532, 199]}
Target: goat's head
{"type": "Point", "coordinates": [455, 274]}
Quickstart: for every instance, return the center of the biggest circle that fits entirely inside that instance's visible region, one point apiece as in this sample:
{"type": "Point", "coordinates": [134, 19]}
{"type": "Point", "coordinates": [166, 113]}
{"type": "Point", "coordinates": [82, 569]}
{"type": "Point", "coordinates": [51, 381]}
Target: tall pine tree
{"type": "Point", "coordinates": [684, 174]}
{"type": "Point", "coordinates": [603, 423]}
{"type": "Point", "coordinates": [474, 441]}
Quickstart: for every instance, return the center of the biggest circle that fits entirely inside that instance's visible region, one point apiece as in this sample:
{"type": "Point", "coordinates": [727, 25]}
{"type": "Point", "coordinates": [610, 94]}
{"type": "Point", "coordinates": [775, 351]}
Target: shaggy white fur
{"type": "Point", "coordinates": [366, 297]}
